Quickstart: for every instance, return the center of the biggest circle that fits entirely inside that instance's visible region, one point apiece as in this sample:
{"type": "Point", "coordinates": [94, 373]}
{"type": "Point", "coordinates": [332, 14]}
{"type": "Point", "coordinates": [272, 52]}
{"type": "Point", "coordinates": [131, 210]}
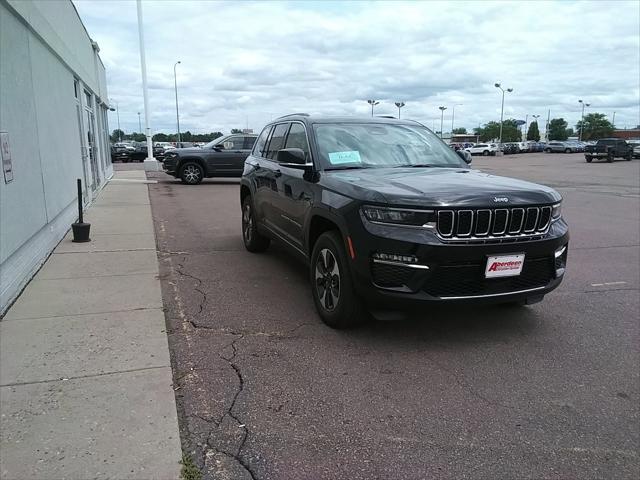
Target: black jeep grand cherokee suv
{"type": "Point", "coordinates": [388, 216]}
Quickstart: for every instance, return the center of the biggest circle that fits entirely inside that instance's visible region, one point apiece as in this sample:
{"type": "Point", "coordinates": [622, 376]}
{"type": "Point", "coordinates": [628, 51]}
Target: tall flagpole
{"type": "Point", "coordinates": [150, 163]}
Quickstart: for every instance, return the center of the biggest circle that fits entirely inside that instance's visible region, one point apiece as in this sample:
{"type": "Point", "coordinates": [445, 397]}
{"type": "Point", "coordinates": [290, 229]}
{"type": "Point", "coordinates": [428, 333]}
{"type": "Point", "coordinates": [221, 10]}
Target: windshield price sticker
{"type": "Point", "coordinates": [339, 158]}
{"type": "Point", "coordinates": [504, 266]}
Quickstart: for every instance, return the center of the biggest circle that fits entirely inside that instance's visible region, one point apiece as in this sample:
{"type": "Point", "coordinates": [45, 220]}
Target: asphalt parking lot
{"type": "Point", "coordinates": [266, 391]}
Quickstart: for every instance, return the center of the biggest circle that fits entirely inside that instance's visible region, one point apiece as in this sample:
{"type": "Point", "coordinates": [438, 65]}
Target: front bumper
{"type": "Point", "coordinates": [596, 154]}
{"type": "Point", "coordinates": [169, 165]}
{"type": "Point", "coordinates": [451, 273]}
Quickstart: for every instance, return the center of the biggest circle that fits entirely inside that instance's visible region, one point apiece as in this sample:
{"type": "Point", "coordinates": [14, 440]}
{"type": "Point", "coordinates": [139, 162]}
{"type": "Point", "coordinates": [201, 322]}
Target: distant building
{"type": "Point", "coordinates": [247, 130]}
{"type": "Point", "coordinates": [631, 134]}
{"type": "Point", "coordinates": [464, 138]}
{"type": "Point", "coordinates": [53, 129]}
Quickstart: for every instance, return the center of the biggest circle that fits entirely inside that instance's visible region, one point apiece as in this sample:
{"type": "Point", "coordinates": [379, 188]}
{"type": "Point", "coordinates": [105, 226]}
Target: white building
{"type": "Point", "coordinates": [53, 128]}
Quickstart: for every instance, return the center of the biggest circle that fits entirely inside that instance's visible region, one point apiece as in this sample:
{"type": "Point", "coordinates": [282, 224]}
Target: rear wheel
{"type": "Point", "coordinates": [485, 153]}
{"type": "Point", "coordinates": [629, 157]}
{"type": "Point", "coordinates": [548, 150]}
{"type": "Point", "coordinates": [253, 240]}
{"type": "Point", "coordinates": [332, 285]}
{"type": "Point", "coordinates": [567, 150]}
{"type": "Point", "coordinates": [610, 157]}
{"type": "Point", "coordinates": [588, 159]}
{"type": "Point", "coordinates": [191, 173]}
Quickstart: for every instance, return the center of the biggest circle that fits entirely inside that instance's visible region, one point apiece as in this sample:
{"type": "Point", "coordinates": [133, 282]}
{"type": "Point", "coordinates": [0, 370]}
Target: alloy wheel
{"type": "Point", "coordinates": [191, 174]}
{"type": "Point", "coordinates": [327, 275]}
{"type": "Point", "coordinates": [247, 223]}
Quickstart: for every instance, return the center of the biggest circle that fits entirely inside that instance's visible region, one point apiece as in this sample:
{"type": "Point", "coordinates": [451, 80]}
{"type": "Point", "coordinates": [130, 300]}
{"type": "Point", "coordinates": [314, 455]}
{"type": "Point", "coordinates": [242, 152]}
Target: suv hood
{"type": "Point", "coordinates": [434, 187]}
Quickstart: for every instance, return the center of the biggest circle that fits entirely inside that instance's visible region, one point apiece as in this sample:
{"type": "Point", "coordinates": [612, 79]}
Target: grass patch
{"type": "Point", "coordinates": [189, 469]}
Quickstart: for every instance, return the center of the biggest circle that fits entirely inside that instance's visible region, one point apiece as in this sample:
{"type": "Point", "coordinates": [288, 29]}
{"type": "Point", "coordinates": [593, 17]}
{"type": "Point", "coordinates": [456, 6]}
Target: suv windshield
{"type": "Point", "coordinates": [367, 145]}
{"type": "Point", "coordinates": [216, 141]}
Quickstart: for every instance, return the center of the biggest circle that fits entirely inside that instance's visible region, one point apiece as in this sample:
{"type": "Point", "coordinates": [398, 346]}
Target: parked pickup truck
{"type": "Point", "coordinates": [609, 148]}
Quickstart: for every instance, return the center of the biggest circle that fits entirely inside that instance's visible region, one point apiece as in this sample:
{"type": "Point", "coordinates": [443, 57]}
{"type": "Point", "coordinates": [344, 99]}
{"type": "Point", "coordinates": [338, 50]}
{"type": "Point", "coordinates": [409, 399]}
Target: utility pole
{"type": "Point", "coordinates": [150, 163]}
{"type": "Point", "coordinates": [582, 118]}
{"type": "Point", "coordinates": [526, 120]}
{"type": "Point", "coordinates": [613, 123]}
{"type": "Point", "coordinates": [546, 128]}
{"type": "Point", "coordinates": [442, 109]}
{"type": "Point", "coordinates": [175, 84]}
{"type": "Point", "coordinates": [453, 115]}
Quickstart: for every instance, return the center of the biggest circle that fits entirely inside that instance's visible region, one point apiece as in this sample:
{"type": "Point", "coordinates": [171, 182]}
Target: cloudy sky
{"type": "Point", "coordinates": [244, 63]}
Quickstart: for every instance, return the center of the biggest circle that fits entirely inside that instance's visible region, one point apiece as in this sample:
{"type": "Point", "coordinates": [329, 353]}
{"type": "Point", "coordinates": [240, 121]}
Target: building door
{"type": "Point", "coordinates": [84, 155]}
{"type": "Point", "coordinates": [92, 147]}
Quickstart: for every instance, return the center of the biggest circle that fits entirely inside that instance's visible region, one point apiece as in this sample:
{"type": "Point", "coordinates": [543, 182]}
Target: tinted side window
{"type": "Point", "coordinates": [261, 142]}
{"type": "Point", "coordinates": [248, 143]}
{"type": "Point", "coordinates": [277, 140]}
{"type": "Point", "coordinates": [233, 143]}
{"type": "Point", "coordinates": [297, 138]}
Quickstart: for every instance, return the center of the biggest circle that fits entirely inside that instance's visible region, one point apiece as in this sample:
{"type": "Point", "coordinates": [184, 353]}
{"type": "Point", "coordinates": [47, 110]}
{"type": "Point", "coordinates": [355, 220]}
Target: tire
{"type": "Point", "coordinates": [191, 173]}
{"type": "Point", "coordinates": [253, 240]}
{"type": "Point", "coordinates": [485, 153]}
{"type": "Point", "coordinates": [338, 306]}
{"type": "Point", "coordinates": [548, 150]}
{"type": "Point", "coordinates": [588, 159]}
{"type": "Point", "coordinates": [629, 157]}
{"type": "Point", "coordinates": [610, 158]}
{"type": "Point", "coordinates": [567, 150]}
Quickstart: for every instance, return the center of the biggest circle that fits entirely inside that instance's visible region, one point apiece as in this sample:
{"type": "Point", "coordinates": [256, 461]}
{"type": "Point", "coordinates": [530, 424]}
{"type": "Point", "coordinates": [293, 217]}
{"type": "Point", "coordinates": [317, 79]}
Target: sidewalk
{"type": "Point", "coordinates": [85, 376]}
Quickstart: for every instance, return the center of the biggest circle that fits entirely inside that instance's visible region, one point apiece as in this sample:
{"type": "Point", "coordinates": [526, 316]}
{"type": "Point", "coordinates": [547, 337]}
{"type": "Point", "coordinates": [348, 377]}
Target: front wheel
{"type": "Point", "coordinates": [485, 153]}
{"type": "Point", "coordinates": [548, 150]}
{"type": "Point", "coordinates": [588, 159]}
{"type": "Point", "coordinates": [253, 240]}
{"type": "Point", "coordinates": [610, 158]}
{"type": "Point", "coordinates": [191, 173]}
{"type": "Point", "coordinates": [629, 157]}
{"type": "Point", "coordinates": [567, 150]}
{"type": "Point", "coordinates": [332, 286]}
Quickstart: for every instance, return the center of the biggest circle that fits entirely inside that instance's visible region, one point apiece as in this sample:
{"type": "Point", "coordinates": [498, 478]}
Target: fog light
{"type": "Point", "coordinates": [560, 257]}
{"type": "Point", "coordinates": [392, 257]}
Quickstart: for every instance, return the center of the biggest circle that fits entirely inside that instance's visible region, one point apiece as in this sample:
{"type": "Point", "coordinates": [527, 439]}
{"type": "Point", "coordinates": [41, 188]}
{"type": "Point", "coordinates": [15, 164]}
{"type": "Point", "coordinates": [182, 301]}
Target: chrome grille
{"type": "Point", "coordinates": [493, 225]}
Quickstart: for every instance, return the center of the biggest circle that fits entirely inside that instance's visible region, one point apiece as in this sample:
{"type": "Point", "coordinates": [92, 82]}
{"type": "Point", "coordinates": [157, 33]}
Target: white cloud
{"type": "Point", "coordinates": [259, 60]}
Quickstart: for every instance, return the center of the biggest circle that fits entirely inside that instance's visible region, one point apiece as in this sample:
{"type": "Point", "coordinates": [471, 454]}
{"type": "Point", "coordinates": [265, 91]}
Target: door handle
{"type": "Point", "coordinates": [277, 173]}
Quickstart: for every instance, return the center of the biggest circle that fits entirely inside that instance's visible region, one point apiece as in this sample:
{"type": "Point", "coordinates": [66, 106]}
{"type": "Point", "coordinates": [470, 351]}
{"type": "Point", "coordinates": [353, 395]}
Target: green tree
{"type": "Point", "coordinates": [533, 133]}
{"type": "Point", "coordinates": [570, 132]}
{"type": "Point", "coordinates": [558, 129]}
{"type": "Point", "coordinates": [117, 135]}
{"type": "Point", "coordinates": [236, 130]}
{"type": "Point", "coordinates": [595, 126]}
{"type": "Point", "coordinates": [460, 131]}
{"type": "Point", "coordinates": [491, 131]}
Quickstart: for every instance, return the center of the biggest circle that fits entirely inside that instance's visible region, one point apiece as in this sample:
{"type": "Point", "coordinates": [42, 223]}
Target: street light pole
{"type": "Point", "coordinates": [453, 115]}
{"type": "Point", "coordinates": [613, 122]}
{"type": "Point", "coordinates": [526, 121]}
{"type": "Point", "coordinates": [442, 109]}
{"type": "Point", "coordinates": [175, 83]}
{"type": "Point", "coordinates": [582, 118]}
{"type": "Point", "coordinates": [150, 163]}
{"type": "Point", "coordinates": [118, 117]}
{"type": "Point", "coordinates": [139, 124]}
{"type": "Point", "coordinates": [497, 85]}
{"type": "Point", "coordinates": [399, 105]}
{"type": "Point", "coordinates": [372, 103]}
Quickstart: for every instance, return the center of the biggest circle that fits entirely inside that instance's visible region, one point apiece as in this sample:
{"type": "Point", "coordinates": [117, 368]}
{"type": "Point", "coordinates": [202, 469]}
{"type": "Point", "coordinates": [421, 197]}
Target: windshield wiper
{"type": "Point", "coordinates": [352, 167]}
{"type": "Point", "coordinates": [414, 165]}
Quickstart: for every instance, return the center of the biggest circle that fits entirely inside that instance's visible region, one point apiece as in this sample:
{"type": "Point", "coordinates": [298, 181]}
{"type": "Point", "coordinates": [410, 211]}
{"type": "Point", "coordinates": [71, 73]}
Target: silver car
{"type": "Point", "coordinates": [561, 147]}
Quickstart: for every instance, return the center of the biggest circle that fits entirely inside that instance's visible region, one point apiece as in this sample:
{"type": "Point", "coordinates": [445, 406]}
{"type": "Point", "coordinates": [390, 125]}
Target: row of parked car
{"type": "Point", "coordinates": [487, 149]}
{"type": "Point", "coordinates": [137, 151]}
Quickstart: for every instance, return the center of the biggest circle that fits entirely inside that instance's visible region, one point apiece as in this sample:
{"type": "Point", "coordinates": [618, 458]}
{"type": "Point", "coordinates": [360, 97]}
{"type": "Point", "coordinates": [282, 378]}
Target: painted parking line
{"type": "Point", "coordinates": [607, 284]}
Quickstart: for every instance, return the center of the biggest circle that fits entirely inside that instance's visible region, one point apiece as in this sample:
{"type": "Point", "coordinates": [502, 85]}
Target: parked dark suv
{"type": "Point", "coordinates": [223, 157]}
{"type": "Point", "coordinates": [388, 216]}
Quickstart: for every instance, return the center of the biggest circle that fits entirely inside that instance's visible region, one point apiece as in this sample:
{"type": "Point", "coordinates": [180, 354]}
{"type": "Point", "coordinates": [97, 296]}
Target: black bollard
{"type": "Point", "coordinates": [80, 229]}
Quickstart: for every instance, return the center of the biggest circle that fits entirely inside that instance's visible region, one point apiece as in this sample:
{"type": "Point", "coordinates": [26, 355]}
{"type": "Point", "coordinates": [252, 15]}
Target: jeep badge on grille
{"type": "Point", "coordinates": [501, 199]}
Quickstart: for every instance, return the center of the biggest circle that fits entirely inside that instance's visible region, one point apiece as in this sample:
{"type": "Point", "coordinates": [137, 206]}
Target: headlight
{"type": "Point", "coordinates": [556, 212]}
{"type": "Point", "coordinates": [399, 216]}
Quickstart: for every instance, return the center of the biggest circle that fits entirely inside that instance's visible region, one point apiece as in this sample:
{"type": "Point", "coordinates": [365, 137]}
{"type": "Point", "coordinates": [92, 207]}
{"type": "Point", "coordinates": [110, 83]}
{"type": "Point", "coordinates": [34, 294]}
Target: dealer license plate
{"type": "Point", "coordinates": [504, 266]}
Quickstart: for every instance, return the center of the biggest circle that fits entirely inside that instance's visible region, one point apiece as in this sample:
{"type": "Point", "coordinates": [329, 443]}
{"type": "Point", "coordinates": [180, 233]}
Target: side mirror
{"type": "Point", "coordinates": [466, 156]}
{"type": "Point", "coordinates": [292, 157]}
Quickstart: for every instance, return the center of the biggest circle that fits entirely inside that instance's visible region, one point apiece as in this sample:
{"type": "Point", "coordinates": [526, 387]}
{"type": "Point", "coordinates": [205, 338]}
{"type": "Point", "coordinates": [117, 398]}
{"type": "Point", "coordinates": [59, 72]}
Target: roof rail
{"type": "Point", "coordinates": [386, 116]}
{"type": "Point", "coordinates": [293, 115]}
